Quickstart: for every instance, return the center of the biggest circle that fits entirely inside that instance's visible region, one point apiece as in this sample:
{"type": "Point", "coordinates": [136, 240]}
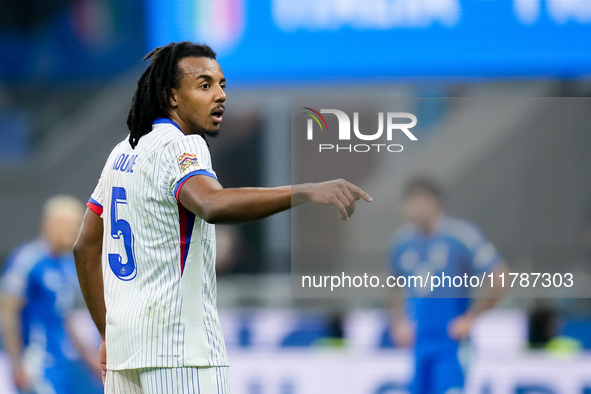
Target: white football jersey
{"type": "Point", "coordinates": [158, 258]}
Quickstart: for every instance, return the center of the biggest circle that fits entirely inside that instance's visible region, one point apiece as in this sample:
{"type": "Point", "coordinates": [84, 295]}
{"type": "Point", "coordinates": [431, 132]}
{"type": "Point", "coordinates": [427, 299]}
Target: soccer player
{"type": "Point", "coordinates": [150, 220]}
{"type": "Point", "coordinates": [435, 323]}
{"type": "Point", "coordinates": [38, 293]}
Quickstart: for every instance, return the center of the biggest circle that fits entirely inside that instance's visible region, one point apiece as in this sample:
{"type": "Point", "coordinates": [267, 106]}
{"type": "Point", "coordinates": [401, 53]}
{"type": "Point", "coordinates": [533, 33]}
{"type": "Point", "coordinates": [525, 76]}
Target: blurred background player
{"type": "Point", "coordinates": [39, 292]}
{"type": "Point", "coordinates": [435, 323]}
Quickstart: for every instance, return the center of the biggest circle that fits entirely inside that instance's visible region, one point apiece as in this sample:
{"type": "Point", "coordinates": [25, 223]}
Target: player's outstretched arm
{"type": "Point", "coordinates": [205, 197]}
{"type": "Point", "coordinates": [87, 254]}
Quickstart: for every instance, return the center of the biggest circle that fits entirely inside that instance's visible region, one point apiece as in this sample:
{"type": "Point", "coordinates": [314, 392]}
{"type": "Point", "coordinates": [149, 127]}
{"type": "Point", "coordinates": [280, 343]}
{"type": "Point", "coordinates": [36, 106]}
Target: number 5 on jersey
{"type": "Point", "coordinates": [121, 228]}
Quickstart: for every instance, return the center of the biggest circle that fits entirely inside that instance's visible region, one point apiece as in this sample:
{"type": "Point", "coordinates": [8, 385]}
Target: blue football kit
{"type": "Point", "coordinates": [47, 283]}
{"type": "Point", "coordinates": [453, 249]}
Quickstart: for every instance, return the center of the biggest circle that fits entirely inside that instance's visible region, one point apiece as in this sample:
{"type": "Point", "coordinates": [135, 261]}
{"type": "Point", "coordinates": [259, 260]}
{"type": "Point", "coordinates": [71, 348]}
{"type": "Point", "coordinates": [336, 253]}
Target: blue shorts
{"type": "Point", "coordinates": [437, 369]}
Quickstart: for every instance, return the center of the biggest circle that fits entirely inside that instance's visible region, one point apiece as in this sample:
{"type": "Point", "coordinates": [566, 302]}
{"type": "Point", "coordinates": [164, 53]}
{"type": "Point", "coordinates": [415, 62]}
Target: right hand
{"type": "Point", "coordinates": [340, 193]}
{"type": "Point", "coordinates": [403, 333]}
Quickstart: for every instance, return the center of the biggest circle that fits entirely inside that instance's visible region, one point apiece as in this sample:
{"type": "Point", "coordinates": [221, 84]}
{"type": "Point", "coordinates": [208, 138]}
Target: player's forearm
{"type": "Point", "coordinates": [11, 332]}
{"type": "Point", "coordinates": [13, 345]}
{"type": "Point", "coordinates": [205, 197]}
{"type": "Point", "coordinates": [491, 295]}
{"type": "Point", "coordinates": [396, 304]}
{"type": "Point", "coordinates": [247, 204]}
{"type": "Point", "coordinates": [240, 205]}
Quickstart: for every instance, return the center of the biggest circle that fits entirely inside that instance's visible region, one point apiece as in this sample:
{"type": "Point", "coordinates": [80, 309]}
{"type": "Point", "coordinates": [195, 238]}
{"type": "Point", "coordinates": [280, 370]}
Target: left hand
{"type": "Point", "coordinates": [459, 328]}
{"type": "Point", "coordinates": [103, 359]}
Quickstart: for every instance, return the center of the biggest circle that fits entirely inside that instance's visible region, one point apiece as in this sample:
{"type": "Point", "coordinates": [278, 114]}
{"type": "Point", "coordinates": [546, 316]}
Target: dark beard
{"type": "Point", "coordinates": [211, 134]}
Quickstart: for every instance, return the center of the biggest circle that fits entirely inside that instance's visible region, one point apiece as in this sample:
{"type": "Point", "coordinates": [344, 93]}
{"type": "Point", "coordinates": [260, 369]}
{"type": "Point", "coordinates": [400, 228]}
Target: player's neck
{"type": "Point", "coordinates": [430, 225]}
{"type": "Point", "coordinates": [182, 125]}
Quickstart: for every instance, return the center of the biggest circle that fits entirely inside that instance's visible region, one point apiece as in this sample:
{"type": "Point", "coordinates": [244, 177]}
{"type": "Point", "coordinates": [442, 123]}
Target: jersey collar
{"type": "Point", "coordinates": [170, 121]}
{"type": "Point", "coordinates": [166, 120]}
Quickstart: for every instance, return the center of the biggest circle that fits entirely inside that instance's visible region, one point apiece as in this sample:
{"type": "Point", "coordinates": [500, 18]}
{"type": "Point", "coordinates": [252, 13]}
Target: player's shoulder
{"type": "Point", "coordinates": [120, 147]}
{"type": "Point", "coordinates": [21, 268]}
{"type": "Point", "coordinates": [462, 231]}
{"type": "Point", "coordinates": [183, 142]}
{"type": "Point", "coordinates": [27, 255]}
{"type": "Point", "coordinates": [168, 137]}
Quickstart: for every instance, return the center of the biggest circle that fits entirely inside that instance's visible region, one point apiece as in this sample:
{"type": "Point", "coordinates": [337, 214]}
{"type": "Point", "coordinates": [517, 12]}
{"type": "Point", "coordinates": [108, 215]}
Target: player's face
{"type": "Point", "coordinates": [61, 230]}
{"type": "Point", "coordinates": [199, 101]}
{"type": "Point", "coordinates": [421, 208]}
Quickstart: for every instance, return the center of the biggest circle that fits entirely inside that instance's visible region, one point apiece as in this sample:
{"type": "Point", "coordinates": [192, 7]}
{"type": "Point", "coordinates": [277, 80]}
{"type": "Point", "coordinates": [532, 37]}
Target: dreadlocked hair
{"type": "Point", "coordinates": [151, 99]}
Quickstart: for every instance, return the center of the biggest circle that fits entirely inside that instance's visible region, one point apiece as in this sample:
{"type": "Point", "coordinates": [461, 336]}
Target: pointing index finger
{"type": "Point", "coordinates": [359, 193]}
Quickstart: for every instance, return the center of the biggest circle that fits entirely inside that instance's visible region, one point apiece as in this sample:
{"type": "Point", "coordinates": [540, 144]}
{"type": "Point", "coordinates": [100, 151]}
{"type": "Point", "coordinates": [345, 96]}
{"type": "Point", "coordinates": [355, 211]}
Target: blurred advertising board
{"type": "Point", "coordinates": [343, 40]}
{"type": "Point", "coordinates": [310, 371]}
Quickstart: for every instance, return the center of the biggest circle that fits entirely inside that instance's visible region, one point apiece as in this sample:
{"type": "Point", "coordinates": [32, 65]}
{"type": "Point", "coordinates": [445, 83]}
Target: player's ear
{"type": "Point", "coordinates": [172, 97]}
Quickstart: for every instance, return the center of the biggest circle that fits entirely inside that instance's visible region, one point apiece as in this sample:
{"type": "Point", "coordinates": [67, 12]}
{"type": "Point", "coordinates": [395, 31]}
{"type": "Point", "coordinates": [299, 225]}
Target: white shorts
{"type": "Point", "coordinates": [185, 380]}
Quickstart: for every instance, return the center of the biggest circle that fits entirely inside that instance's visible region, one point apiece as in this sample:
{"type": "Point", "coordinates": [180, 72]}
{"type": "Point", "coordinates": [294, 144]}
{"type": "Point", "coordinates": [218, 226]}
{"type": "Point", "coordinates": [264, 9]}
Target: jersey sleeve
{"type": "Point", "coordinates": [482, 254]}
{"type": "Point", "coordinates": [95, 202]}
{"type": "Point", "coordinates": [187, 157]}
